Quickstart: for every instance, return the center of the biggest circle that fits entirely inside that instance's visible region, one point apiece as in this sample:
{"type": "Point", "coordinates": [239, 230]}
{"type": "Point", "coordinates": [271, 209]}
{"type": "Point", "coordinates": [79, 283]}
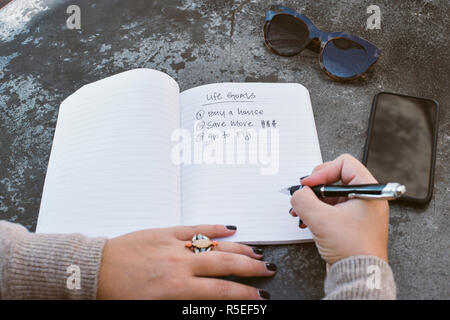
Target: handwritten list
{"type": "Point", "coordinates": [233, 193]}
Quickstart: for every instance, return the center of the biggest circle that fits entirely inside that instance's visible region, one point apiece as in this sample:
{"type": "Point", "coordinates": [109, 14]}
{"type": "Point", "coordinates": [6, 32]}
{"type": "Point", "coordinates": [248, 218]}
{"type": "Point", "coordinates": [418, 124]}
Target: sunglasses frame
{"type": "Point", "coordinates": [318, 40]}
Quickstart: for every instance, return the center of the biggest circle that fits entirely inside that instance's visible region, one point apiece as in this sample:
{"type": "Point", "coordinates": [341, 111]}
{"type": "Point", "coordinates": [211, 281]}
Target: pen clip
{"type": "Point", "coordinates": [371, 196]}
{"type": "Point", "coordinates": [391, 191]}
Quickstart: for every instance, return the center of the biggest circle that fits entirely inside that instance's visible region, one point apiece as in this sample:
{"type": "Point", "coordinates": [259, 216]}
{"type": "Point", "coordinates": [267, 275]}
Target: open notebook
{"type": "Point", "coordinates": [115, 160]}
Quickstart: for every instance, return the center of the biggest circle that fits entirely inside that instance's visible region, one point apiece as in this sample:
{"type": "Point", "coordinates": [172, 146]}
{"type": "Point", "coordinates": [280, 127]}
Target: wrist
{"type": "Point", "coordinates": [103, 273]}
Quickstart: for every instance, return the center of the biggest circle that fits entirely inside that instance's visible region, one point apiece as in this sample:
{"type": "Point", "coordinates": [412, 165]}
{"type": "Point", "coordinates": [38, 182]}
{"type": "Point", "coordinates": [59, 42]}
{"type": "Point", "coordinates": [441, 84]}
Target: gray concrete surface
{"type": "Point", "coordinates": [199, 42]}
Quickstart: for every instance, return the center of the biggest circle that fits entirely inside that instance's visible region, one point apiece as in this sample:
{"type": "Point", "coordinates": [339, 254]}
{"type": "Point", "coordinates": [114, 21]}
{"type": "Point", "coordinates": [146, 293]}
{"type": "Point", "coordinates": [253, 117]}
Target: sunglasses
{"type": "Point", "coordinates": [343, 56]}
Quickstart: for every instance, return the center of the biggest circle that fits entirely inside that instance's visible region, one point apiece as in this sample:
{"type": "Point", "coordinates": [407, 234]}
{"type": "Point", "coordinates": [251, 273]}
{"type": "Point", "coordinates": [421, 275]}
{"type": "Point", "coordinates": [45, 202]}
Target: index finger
{"type": "Point", "coordinates": [210, 230]}
{"type": "Point", "coordinates": [345, 168]}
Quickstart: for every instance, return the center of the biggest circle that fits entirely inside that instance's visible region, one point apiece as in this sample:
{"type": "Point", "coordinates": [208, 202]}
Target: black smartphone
{"type": "Point", "coordinates": [401, 143]}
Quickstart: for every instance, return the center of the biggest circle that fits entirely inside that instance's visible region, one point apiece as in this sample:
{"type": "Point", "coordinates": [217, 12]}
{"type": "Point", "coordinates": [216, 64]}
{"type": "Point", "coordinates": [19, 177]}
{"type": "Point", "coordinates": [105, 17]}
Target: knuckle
{"type": "Point", "coordinates": [197, 228]}
{"type": "Point", "coordinates": [236, 248]}
{"type": "Point", "coordinates": [206, 229]}
{"type": "Point", "coordinates": [253, 265]}
{"type": "Point", "coordinates": [298, 195]}
{"type": "Point", "coordinates": [244, 249]}
{"type": "Point", "coordinates": [228, 259]}
{"type": "Point", "coordinates": [224, 288]}
{"type": "Point", "coordinates": [247, 292]}
{"type": "Point", "coordinates": [319, 166]}
{"type": "Point", "coordinates": [188, 229]}
{"type": "Point", "coordinates": [294, 198]}
{"type": "Point", "coordinates": [348, 157]}
{"type": "Point", "coordinates": [228, 262]}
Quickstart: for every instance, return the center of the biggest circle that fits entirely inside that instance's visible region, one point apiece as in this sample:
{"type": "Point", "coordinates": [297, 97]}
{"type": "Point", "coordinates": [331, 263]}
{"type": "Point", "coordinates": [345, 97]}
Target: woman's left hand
{"type": "Point", "coordinates": [155, 264]}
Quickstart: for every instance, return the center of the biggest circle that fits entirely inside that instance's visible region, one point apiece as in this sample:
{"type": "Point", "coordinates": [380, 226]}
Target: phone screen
{"type": "Point", "coordinates": [401, 142]}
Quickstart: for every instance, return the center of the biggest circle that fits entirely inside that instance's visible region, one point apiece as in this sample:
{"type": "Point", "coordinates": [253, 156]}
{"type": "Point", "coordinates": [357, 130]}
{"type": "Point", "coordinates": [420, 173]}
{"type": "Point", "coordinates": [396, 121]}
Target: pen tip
{"type": "Point", "coordinates": [285, 191]}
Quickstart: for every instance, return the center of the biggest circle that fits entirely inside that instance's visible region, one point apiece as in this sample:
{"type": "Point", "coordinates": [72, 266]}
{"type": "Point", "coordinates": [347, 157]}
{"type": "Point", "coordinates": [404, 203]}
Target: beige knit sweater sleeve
{"type": "Point", "coordinates": [360, 277]}
{"type": "Point", "coordinates": [39, 266]}
{"type": "Point", "coordinates": [42, 266]}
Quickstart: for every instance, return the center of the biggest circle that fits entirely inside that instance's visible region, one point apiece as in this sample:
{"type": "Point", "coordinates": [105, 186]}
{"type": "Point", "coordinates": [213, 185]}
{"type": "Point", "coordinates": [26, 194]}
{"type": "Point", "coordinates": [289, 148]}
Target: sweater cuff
{"type": "Point", "coordinates": [53, 266]}
{"type": "Point", "coordinates": [360, 277]}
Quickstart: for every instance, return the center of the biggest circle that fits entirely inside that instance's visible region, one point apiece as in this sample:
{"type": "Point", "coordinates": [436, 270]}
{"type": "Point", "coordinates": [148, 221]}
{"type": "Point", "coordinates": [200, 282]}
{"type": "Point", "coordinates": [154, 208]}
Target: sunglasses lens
{"type": "Point", "coordinates": [344, 58]}
{"type": "Point", "coordinates": [287, 35]}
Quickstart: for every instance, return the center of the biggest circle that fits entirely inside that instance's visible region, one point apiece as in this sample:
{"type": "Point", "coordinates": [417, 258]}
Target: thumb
{"type": "Point", "coordinates": [310, 208]}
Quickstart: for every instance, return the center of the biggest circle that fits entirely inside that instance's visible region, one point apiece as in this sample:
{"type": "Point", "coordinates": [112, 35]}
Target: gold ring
{"type": "Point", "coordinates": [201, 243]}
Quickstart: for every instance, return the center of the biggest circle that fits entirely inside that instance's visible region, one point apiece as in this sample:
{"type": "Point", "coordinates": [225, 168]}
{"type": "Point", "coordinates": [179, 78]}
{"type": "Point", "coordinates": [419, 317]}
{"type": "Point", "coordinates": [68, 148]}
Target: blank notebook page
{"type": "Point", "coordinates": [110, 171]}
{"type": "Point", "coordinates": [238, 194]}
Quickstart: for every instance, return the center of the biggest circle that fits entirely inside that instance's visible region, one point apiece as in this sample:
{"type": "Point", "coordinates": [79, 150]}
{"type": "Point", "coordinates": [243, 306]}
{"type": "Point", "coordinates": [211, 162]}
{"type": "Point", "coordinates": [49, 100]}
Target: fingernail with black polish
{"type": "Point", "coordinates": [258, 251]}
{"type": "Point", "coordinates": [290, 211]}
{"type": "Point", "coordinates": [264, 294]}
{"type": "Point", "coordinates": [231, 227]}
{"type": "Point", "coordinates": [301, 224]}
{"type": "Point", "coordinates": [271, 266]}
{"type": "Point", "coordinates": [303, 178]}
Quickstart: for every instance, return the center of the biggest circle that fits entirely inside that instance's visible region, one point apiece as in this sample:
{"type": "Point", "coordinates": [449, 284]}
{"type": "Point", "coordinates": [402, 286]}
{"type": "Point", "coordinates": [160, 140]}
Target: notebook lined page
{"type": "Point", "coordinates": [244, 193]}
{"type": "Point", "coordinates": [110, 170]}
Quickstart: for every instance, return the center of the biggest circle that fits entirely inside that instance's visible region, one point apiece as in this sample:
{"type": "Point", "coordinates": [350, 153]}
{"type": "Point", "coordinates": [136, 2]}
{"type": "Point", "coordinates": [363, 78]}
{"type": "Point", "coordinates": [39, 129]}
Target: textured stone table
{"type": "Point", "coordinates": [199, 42]}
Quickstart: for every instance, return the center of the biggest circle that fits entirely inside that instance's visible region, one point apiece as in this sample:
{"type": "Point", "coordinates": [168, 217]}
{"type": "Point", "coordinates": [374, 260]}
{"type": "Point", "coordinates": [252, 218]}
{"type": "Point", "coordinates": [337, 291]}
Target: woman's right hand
{"type": "Point", "coordinates": [155, 264]}
{"type": "Point", "coordinates": [343, 227]}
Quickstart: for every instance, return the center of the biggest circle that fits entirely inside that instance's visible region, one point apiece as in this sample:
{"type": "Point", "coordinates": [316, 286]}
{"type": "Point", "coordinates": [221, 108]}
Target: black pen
{"type": "Point", "coordinates": [387, 191]}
